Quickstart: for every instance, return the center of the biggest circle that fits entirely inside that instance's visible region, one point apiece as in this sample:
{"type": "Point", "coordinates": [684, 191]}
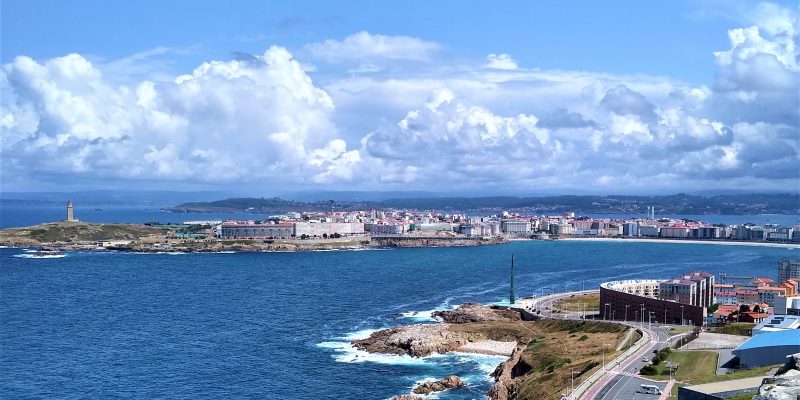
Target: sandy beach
{"type": "Point", "coordinates": [490, 347]}
{"type": "Point", "coordinates": [685, 241]}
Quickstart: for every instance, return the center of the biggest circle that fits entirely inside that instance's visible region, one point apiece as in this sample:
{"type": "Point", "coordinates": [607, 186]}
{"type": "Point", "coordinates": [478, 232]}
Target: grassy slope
{"type": "Point", "coordinates": [74, 232]}
{"type": "Point", "coordinates": [560, 347]}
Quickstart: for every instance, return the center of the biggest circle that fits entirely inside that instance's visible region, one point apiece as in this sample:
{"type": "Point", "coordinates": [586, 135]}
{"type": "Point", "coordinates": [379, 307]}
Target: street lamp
{"type": "Point", "coordinates": [605, 311]}
{"type": "Point", "coordinates": [626, 312]}
{"type": "Point", "coordinates": [681, 315]}
{"type": "Point", "coordinates": [572, 383]}
{"type": "Point", "coordinates": [665, 316]}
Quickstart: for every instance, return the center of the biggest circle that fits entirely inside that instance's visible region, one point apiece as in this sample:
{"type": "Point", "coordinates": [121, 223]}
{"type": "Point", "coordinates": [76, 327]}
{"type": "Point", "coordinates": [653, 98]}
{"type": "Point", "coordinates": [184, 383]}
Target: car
{"type": "Point", "coordinates": [645, 359]}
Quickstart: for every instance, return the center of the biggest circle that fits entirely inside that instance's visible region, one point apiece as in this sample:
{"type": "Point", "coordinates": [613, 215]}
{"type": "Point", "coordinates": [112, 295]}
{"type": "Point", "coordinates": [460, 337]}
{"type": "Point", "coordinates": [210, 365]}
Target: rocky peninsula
{"type": "Point", "coordinates": [541, 352]}
{"type": "Point", "coordinates": [82, 236]}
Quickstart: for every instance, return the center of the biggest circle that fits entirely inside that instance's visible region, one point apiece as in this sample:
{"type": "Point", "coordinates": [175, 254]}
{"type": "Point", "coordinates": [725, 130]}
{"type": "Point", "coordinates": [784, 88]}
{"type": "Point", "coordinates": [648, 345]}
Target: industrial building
{"type": "Point", "coordinates": [768, 348]}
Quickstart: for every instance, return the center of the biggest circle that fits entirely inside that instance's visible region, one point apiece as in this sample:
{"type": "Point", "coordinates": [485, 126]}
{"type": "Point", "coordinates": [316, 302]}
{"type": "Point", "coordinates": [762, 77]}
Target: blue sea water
{"type": "Point", "coordinates": [276, 325]}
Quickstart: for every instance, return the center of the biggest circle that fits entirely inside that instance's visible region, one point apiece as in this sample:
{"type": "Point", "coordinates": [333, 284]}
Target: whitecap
{"type": "Point", "coordinates": [42, 256]}
{"type": "Point", "coordinates": [424, 316]}
{"type": "Point", "coordinates": [360, 334]}
{"type": "Point", "coordinates": [346, 353]}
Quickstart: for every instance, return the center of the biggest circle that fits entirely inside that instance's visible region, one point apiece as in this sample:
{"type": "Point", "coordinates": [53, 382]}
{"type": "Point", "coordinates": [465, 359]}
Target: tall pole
{"type": "Point", "coordinates": [681, 315]}
{"type": "Point", "coordinates": [626, 312]}
{"type": "Point", "coordinates": [511, 299]}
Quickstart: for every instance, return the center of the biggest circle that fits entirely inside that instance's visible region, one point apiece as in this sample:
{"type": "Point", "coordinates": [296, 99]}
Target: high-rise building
{"type": "Point", "coordinates": [788, 269]}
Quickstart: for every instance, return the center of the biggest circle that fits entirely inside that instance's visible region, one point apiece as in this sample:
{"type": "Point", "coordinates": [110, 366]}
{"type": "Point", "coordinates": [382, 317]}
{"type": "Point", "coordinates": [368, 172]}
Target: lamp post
{"type": "Point", "coordinates": [605, 311]}
{"type": "Point", "coordinates": [665, 316]}
{"type": "Point", "coordinates": [681, 315]}
{"type": "Point", "coordinates": [572, 383]}
{"type": "Point", "coordinates": [626, 312]}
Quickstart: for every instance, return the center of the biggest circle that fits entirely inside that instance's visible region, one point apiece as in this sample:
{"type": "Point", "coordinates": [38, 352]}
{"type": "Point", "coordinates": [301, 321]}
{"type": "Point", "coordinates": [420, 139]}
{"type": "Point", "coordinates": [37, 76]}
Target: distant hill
{"type": "Point", "coordinates": [729, 204]}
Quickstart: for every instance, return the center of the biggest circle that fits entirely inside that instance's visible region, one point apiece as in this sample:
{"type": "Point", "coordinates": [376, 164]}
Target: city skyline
{"type": "Point", "coordinates": [604, 98]}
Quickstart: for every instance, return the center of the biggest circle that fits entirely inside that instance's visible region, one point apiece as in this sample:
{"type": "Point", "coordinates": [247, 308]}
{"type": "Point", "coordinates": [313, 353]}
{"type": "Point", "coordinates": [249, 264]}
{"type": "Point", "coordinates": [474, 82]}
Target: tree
{"type": "Point", "coordinates": [714, 308]}
{"type": "Point", "coordinates": [744, 308]}
{"type": "Point", "coordinates": [324, 235]}
{"type": "Point", "coordinates": [757, 309]}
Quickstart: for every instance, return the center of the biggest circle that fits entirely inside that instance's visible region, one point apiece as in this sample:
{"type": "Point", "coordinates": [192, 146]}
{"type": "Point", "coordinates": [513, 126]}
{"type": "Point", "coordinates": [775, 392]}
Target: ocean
{"type": "Point", "coordinates": [277, 325]}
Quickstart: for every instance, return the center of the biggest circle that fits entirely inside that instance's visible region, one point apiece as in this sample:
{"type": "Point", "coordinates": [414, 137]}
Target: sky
{"type": "Point", "coordinates": [459, 97]}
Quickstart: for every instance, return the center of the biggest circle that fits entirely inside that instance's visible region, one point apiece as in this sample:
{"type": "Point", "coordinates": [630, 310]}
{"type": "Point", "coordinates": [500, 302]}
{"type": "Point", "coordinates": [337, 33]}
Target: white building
{"type": "Point", "coordinates": [515, 227]}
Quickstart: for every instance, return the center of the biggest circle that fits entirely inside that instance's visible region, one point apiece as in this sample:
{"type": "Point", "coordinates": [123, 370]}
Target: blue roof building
{"type": "Point", "coordinates": [768, 348]}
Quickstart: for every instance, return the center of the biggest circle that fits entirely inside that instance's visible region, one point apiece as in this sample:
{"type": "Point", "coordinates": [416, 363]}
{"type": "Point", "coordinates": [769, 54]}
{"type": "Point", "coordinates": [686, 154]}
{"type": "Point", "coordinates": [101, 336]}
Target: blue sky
{"type": "Point", "coordinates": [626, 37]}
{"type": "Point", "coordinates": [615, 97]}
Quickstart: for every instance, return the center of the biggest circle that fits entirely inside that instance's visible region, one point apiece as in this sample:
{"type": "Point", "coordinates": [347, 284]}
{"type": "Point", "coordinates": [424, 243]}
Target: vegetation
{"type": "Point", "coordinates": [559, 348]}
{"type": "Point", "coordinates": [741, 204]}
{"type": "Point", "coordinates": [588, 302]}
{"type": "Point", "coordinates": [739, 328]}
{"type": "Point", "coordinates": [74, 232]}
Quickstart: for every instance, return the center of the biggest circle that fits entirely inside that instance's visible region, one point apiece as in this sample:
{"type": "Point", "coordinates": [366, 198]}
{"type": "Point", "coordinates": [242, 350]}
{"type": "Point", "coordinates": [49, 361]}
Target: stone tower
{"type": "Point", "coordinates": [70, 213]}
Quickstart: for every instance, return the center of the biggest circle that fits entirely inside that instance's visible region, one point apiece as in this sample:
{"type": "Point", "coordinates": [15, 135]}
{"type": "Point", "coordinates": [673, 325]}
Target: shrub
{"type": "Point", "coordinates": [582, 338]}
{"type": "Point", "coordinates": [648, 370]}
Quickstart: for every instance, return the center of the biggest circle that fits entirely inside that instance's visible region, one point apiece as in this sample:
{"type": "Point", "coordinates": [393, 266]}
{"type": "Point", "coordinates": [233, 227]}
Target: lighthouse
{"type": "Point", "coordinates": [70, 212]}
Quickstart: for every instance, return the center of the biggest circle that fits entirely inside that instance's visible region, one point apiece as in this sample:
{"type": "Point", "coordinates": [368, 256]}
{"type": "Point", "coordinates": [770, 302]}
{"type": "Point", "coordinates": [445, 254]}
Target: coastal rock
{"type": "Point", "coordinates": [448, 382]}
{"type": "Point", "coordinates": [785, 386]}
{"type": "Point", "coordinates": [473, 312]}
{"type": "Point", "coordinates": [414, 340]}
{"type": "Point", "coordinates": [407, 397]}
{"type": "Point", "coordinates": [504, 386]}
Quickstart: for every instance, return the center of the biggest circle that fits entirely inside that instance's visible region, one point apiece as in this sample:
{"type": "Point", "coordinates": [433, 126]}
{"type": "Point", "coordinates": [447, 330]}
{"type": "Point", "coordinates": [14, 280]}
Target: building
{"type": "Point", "coordinates": [696, 288]}
{"type": "Point", "coordinates": [768, 348]}
{"type": "Point", "coordinates": [777, 323]}
{"type": "Point", "coordinates": [515, 227]}
{"type": "Point", "coordinates": [788, 269]}
{"type": "Point", "coordinates": [649, 230]}
{"type": "Point", "coordinates": [789, 305]}
{"type": "Point", "coordinates": [675, 232]}
{"type": "Point", "coordinates": [326, 229]}
{"type": "Point", "coordinates": [636, 300]}
{"type": "Point", "coordinates": [385, 229]}
{"type": "Point", "coordinates": [630, 229]}
{"type": "Point", "coordinates": [767, 294]}
{"type": "Point", "coordinates": [253, 230]}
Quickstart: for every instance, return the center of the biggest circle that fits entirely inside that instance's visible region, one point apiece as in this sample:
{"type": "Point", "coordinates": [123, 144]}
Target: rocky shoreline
{"type": "Point", "coordinates": [80, 236]}
{"type": "Point", "coordinates": [469, 328]}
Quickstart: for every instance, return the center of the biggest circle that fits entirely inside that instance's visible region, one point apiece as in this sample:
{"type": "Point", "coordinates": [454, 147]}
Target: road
{"type": "Point", "coordinates": [620, 382]}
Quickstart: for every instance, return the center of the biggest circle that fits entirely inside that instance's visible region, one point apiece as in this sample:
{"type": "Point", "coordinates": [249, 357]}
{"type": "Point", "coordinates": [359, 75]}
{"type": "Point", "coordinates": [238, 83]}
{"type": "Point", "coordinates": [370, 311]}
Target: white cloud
{"type": "Point", "coordinates": [261, 119]}
{"type": "Point", "coordinates": [363, 46]}
{"type": "Point", "coordinates": [227, 121]}
{"type": "Point", "coordinates": [500, 61]}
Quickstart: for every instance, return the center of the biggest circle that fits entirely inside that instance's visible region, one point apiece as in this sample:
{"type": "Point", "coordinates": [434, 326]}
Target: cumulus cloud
{"type": "Point", "coordinates": [254, 119]}
{"type": "Point", "coordinates": [500, 61]}
{"type": "Point", "coordinates": [363, 46]}
{"type": "Point", "coordinates": [261, 119]}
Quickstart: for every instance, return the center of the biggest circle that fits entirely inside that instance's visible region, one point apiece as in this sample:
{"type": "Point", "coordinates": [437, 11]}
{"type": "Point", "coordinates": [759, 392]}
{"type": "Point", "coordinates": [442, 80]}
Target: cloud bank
{"type": "Point", "coordinates": [435, 124]}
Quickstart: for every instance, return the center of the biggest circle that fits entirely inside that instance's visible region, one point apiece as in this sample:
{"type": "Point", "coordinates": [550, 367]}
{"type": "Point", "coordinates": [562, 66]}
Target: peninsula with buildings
{"type": "Point", "coordinates": [320, 229]}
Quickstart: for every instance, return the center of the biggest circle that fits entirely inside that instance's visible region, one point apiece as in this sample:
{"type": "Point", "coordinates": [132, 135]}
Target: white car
{"type": "Point", "coordinates": [645, 359]}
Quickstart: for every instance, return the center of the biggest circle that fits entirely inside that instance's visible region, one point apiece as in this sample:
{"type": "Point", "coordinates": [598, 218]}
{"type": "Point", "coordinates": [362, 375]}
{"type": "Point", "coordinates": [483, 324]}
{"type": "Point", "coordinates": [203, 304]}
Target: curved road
{"type": "Point", "coordinates": [615, 380]}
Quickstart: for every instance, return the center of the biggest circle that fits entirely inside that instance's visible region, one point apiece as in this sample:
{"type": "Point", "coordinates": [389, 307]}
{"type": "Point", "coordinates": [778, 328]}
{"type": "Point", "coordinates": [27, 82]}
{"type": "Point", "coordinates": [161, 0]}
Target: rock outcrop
{"type": "Point", "coordinates": [786, 385]}
{"type": "Point", "coordinates": [449, 382]}
{"type": "Point", "coordinates": [504, 386]}
{"type": "Point", "coordinates": [473, 312]}
{"type": "Point", "coordinates": [414, 340]}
